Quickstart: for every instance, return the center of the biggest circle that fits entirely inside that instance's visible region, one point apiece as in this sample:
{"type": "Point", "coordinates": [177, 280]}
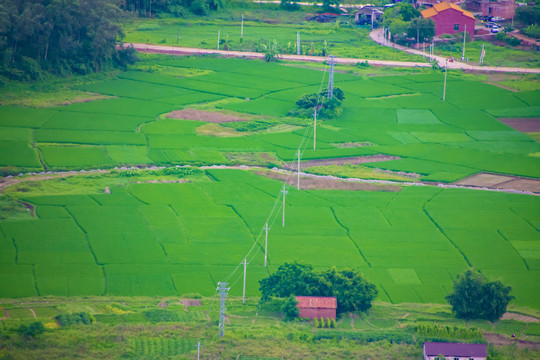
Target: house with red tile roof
{"type": "Point", "coordinates": [317, 307]}
{"type": "Point", "coordinates": [450, 19]}
{"type": "Point", "coordinates": [454, 351]}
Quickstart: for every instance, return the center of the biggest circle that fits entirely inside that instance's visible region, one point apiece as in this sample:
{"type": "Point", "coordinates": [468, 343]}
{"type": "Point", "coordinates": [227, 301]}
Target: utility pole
{"type": "Point", "coordinates": [218, 34]}
{"type": "Point", "coordinates": [482, 54]}
{"type": "Point", "coordinates": [444, 87]}
{"type": "Point", "coordinates": [464, 34]}
{"type": "Point", "coordinates": [298, 154]}
{"type": "Point", "coordinates": [298, 43]}
{"type": "Point", "coordinates": [331, 78]}
{"type": "Point", "coordinates": [223, 294]}
{"type": "Point", "coordinates": [198, 346]}
{"type": "Point", "coordinates": [418, 36]}
{"type": "Point", "coordinates": [314, 131]}
{"type": "Point", "coordinates": [266, 228]}
{"type": "Point", "coordinates": [284, 193]}
{"type": "Point", "coordinates": [244, 292]}
{"type": "Point", "coordinates": [242, 29]}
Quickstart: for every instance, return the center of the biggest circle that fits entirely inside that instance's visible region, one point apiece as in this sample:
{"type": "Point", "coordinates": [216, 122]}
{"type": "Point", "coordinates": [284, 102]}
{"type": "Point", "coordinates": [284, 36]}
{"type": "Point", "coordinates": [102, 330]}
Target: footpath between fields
{"type": "Point", "coordinates": [376, 35]}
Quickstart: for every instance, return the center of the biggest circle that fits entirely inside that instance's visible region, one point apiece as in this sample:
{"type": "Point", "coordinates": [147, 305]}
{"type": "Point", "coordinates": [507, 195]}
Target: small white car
{"type": "Point", "coordinates": [497, 19]}
{"type": "Point", "coordinates": [495, 29]}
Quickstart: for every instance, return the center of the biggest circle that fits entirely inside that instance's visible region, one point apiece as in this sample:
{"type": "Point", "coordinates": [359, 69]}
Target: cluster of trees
{"type": "Point", "coordinates": [326, 108]}
{"type": "Point", "coordinates": [326, 5]}
{"type": "Point", "coordinates": [352, 291]}
{"type": "Point", "coordinates": [403, 20]}
{"type": "Point", "coordinates": [61, 37]}
{"type": "Point", "coordinates": [474, 297]}
{"type": "Point", "coordinates": [151, 8]}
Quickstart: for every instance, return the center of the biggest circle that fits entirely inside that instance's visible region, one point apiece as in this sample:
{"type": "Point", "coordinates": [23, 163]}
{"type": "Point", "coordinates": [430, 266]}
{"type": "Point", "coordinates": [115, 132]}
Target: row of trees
{"type": "Point", "coordinates": [59, 36]}
{"type": "Point", "coordinates": [174, 7]}
{"type": "Point", "coordinates": [473, 297]}
{"type": "Point", "coordinates": [403, 20]}
{"type": "Point", "coordinates": [353, 292]}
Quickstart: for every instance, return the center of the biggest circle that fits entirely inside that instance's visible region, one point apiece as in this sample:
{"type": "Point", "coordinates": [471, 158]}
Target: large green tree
{"type": "Point", "coordinates": [59, 36]}
{"type": "Point", "coordinates": [352, 291]}
{"type": "Point", "coordinates": [294, 279]}
{"type": "Point", "coordinates": [474, 297]}
{"type": "Point", "coordinates": [422, 28]}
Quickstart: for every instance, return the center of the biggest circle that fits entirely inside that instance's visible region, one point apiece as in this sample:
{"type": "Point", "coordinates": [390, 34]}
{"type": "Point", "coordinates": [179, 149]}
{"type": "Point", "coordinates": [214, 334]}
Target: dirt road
{"type": "Point", "coordinates": [376, 35]}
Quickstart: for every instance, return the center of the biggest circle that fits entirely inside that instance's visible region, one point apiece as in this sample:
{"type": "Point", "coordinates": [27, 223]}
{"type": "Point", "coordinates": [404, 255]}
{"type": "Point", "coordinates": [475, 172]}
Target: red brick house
{"type": "Point", "coordinates": [454, 351]}
{"type": "Point", "coordinates": [501, 8]}
{"type": "Point", "coordinates": [449, 19]}
{"type": "Point", "coordinates": [317, 307]}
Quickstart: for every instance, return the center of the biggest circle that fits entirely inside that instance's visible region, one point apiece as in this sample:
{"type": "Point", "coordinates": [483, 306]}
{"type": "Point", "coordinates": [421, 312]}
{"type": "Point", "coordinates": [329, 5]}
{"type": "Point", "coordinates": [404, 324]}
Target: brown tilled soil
{"type": "Point", "coordinates": [201, 115]}
{"type": "Point", "coordinates": [523, 124]}
{"type": "Point", "coordinates": [518, 317]}
{"type": "Point", "coordinates": [345, 160]}
{"type": "Point", "coordinates": [501, 340]}
{"type": "Point", "coordinates": [496, 181]}
{"type": "Point", "coordinates": [191, 302]}
{"type": "Point", "coordinates": [310, 183]}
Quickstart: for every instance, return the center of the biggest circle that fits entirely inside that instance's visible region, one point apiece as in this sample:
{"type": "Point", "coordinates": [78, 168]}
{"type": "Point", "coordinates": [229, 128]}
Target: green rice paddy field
{"type": "Point", "coordinates": [176, 238]}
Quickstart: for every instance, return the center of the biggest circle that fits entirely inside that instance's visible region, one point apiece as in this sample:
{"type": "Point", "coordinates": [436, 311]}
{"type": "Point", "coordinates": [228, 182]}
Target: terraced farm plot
{"type": "Point", "coordinates": [159, 239]}
{"type": "Point", "coordinates": [177, 238]}
{"type": "Point", "coordinates": [381, 111]}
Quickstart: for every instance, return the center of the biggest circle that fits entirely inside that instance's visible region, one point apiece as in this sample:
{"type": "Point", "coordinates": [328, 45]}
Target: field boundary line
{"type": "Point", "coordinates": [35, 280]}
{"type": "Point", "coordinates": [386, 292]}
{"type": "Point", "coordinates": [516, 250]}
{"type": "Point", "coordinates": [16, 250]}
{"type": "Point", "coordinates": [349, 235]}
{"type": "Point", "coordinates": [84, 232]}
{"type": "Point", "coordinates": [446, 236]}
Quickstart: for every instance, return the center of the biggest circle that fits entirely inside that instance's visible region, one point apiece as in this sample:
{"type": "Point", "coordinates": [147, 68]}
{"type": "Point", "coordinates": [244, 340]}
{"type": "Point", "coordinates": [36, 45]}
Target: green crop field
{"type": "Point", "coordinates": [171, 239]}
{"type": "Point", "coordinates": [124, 234]}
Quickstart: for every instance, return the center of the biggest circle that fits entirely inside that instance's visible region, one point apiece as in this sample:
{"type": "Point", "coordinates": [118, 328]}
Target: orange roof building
{"type": "Point", "coordinates": [450, 19]}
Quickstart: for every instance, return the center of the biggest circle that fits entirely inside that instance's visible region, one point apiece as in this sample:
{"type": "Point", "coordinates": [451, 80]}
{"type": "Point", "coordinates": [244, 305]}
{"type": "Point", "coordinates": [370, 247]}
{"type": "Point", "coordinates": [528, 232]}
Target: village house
{"type": "Point", "coordinates": [454, 351]}
{"type": "Point", "coordinates": [317, 307]}
{"type": "Point", "coordinates": [429, 3]}
{"type": "Point", "coordinates": [502, 8]}
{"type": "Point", "coordinates": [366, 14]}
{"type": "Point", "coordinates": [450, 19]}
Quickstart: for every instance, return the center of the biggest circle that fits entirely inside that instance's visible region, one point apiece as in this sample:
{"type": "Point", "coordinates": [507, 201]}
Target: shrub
{"type": "Point", "coordinates": [36, 328]}
{"type": "Point", "coordinates": [532, 31]}
{"type": "Point", "coordinates": [290, 308]}
{"type": "Point", "coordinates": [315, 322]}
{"type": "Point", "coordinates": [159, 315]}
{"type": "Point", "coordinates": [74, 319]}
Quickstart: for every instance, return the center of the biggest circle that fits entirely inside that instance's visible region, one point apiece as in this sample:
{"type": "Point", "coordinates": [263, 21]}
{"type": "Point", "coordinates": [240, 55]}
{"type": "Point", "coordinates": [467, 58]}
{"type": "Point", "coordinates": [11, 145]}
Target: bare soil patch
{"type": "Point", "coordinates": [163, 304]}
{"type": "Point", "coordinates": [6, 314]}
{"type": "Point", "coordinates": [345, 160]}
{"type": "Point", "coordinates": [501, 340]}
{"type": "Point", "coordinates": [523, 124]}
{"type": "Point", "coordinates": [518, 317]}
{"type": "Point", "coordinates": [202, 115]}
{"type": "Point", "coordinates": [352, 144]}
{"type": "Point", "coordinates": [496, 181]}
{"type": "Point", "coordinates": [312, 183]}
{"type": "Point", "coordinates": [191, 302]}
